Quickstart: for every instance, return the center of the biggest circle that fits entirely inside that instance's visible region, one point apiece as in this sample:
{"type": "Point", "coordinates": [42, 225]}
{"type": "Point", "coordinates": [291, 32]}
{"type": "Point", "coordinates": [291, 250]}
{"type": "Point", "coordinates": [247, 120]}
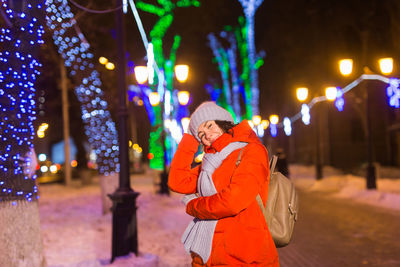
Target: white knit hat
{"type": "Point", "coordinates": [207, 111]}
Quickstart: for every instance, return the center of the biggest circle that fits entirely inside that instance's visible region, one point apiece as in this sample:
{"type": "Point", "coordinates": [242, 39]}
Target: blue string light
{"type": "Point", "coordinates": [19, 70]}
{"type": "Point", "coordinates": [287, 126]}
{"type": "Point", "coordinates": [305, 114]}
{"type": "Point", "coordinates": [273, 129]}
{"type": "Point", "coordinates": [73, 47]}
{"type": "Point", "coordinates": [393, 92]}
{"type": "Point", "coordinates": [339, 102]}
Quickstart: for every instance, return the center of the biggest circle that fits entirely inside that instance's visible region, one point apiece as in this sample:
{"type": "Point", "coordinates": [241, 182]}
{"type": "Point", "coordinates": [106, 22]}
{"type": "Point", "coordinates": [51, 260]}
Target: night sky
{"type": "Point", "coordinates": [302, 41]}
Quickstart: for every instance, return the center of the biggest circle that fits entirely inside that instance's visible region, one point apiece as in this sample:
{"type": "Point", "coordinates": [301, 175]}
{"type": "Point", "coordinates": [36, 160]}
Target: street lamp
{"type": "Point", "coordinates": [302, 93]}
{"type": "Point", "coordinates": [181, 74]}
{"type": "Point", "coordinates": [124, 223]}
{"type": "Point", "coordinates": [346, 66]}
{"type": "Point", "coordinates": [154, 99]}
{"type": "Point", "coordinates": [141, 74]}
{"type": "Point", "coordinates": [256, 120]}
{"type": "Point", "coordinates": [386, 68]}
{"type": "Point", "coordinates": [330, 94]}
{"type": "Point", "coordinates": [183, 97]}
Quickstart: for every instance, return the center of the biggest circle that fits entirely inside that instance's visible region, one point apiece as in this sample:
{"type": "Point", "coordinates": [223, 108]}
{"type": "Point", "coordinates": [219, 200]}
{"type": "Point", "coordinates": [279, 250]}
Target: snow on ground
{"type": "Point", "coordinates": [386, 195]}
{"type": "Point", "coordinates": [75, 231]}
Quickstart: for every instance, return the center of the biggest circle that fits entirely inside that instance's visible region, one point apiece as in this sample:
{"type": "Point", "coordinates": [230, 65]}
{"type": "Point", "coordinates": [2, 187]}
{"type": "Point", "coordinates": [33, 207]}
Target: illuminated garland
{"type": "Point", "coordinates": [240, 34]}
{"type": "Point", "coordinates": [393, 93]}
{"type": "Point", "coordinates": [19, 70]}
{"type": "Point", "coordinates": [74, 49]}
{"type": "Point", "coordinates": [339, 102]}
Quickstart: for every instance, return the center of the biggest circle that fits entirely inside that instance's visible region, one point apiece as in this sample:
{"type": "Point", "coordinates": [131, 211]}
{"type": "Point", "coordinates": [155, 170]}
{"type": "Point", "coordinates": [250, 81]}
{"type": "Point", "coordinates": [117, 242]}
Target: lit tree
{"type": "Point", "coordinates": [233, 63]}
{"type": "Point", "coordinates": [249, 9]}
{"type": "Point", "coordinates": [165, 78]}
{"type": "Point", "coordinates": [20, 241]}
{"type": "Point", "coordinates": [74, 49]}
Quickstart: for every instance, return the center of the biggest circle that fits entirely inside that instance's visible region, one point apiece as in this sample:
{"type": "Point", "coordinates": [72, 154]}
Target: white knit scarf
{"type": "Point", "coordinates": [199, 234]}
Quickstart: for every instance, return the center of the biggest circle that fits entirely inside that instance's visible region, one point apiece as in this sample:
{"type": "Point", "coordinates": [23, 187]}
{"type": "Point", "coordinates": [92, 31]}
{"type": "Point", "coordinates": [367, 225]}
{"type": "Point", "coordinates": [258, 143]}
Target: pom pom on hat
{"type": "Point", "coordinates": [207, 111]}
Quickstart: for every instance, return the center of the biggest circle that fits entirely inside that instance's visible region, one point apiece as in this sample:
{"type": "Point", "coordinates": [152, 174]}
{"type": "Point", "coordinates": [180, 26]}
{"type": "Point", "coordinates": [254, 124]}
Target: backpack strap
{"type": "Point", "coordinates": [239, 159]}
{"type": "Point", "coordinates": [261, 205]}
{"type": "Point", "coordinates": [272, 164]}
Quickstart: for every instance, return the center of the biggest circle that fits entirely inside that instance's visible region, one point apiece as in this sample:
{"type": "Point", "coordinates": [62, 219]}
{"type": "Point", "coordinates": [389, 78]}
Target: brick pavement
{"type": "Point", "coordinates": [335, 232]}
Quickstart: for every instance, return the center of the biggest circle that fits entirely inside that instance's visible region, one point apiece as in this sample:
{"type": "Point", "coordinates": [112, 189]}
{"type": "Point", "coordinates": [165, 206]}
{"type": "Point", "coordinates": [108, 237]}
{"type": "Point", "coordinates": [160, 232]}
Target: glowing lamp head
{"type": "Point", "coordinates": [346, 66]}
{"type": "Point", "coordinates": [154, 98]}
{"type": "Point", "coordinates": [274, 119]}
{"type": "Point", "coordinates": [386, 65]}
{"type": "Point", "coordinates": [265, 124]}
{"type": "Point", "coordinates": [185, 124]}
{"type": "Point", "coordinates": [331, 93]}
{"type": "Point", "coordinates": [103, 60]}
{"type": "Point", "coordinates": [183, 97]}
{"type": "Point", "coordinates": [302, 93]}
{"type": "Point", "coordinates": [110, 66]}
{"type": "Point", "coordinates": [256, 119]}
{"type": "Point", "coordinates": [141, 74]}
{"type": "Point", "coordinates": [182, 72]}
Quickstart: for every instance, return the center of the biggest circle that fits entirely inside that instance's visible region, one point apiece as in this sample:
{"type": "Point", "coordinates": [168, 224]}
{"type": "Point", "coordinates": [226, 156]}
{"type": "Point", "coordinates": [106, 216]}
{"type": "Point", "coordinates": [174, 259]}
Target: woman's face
{"type": "Point", "coordinates": [208, 132]}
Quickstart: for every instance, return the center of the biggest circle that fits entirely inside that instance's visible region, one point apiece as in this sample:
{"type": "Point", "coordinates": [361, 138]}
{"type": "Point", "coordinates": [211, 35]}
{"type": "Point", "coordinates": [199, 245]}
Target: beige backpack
{"type": "Point", "coordinates": [281, 209]}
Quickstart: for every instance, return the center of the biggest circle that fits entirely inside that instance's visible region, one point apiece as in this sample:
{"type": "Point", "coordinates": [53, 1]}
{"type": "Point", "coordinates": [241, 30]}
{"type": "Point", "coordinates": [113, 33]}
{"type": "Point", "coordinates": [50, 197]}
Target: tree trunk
{"type": "Point", "coordinates": [20, 239]}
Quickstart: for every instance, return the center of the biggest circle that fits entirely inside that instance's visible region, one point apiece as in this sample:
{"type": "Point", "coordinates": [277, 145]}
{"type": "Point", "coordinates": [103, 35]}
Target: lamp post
{"type": "Point", "coordinates": [386, 67]}
{"type": "Point", "coordinates": [181, 74]}
{"type": "Point", "coordinates": [302, 95]}
{"type": "Point", "coordinates": [124, 224]}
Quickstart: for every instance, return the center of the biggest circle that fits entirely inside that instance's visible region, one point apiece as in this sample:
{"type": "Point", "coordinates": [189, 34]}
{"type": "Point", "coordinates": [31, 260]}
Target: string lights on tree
{"type": "Point", "coordinates": [19, 71]}
{"type": "Point", "coordinates": [74, 49]}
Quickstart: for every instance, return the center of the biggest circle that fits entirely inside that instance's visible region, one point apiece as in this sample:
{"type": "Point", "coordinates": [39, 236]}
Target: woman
{"type": "Point", "coordinates": [228, 227]}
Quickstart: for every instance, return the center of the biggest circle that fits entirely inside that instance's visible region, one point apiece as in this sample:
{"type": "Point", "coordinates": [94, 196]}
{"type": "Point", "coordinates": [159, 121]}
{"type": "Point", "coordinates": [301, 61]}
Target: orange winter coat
{"type": "Point", "coordinates": [241, 236]}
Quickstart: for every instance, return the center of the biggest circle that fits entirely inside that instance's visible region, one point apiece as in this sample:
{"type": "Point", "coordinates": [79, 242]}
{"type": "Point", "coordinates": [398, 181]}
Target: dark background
{"type": "Point", "coordinates": [302, 40]}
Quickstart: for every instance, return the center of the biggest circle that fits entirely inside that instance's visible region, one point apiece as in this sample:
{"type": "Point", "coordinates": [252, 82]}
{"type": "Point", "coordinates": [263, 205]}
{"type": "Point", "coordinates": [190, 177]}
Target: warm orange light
{"type": "Point", "coordinates": [141, 74]}
{"type": "Point", "coordinates": [110, 66]}
{"type": "Point", "coordinates": [346, 66]}
{"type": "Point", "coordinates": [256, 119]}
{"type": "Point", "coordinates": [265, 124]}
{"type": "Point", "coordinates": [182, 72]}
{"type": "Point", "coordinates": [154, 98]}
{"type": "Point", "coordinates": [183, 97]}
{"type": "Point", "coordinates": [274, 119]}
{"type": "Point", "coordinates": [386, 65]}
{"type": "Point", "coordinates": [74, 163]}
{"type": "Point", "coordinates": [331, 93]}
{"type": "Point", "coordinates": [150, 156]}
{"type": "Point", "coordinates": [302, 93]}
{"type": "Point", "coordinates": [103, 60]}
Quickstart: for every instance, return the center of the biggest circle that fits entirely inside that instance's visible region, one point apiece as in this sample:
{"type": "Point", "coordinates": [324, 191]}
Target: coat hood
{"type": "Point", "coordinates": [241, 133]}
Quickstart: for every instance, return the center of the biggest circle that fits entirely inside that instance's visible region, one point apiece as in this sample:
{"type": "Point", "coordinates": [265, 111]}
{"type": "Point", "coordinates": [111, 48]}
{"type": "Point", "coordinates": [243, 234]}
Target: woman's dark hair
{"type": "Point", "coordinates": [226, 126]}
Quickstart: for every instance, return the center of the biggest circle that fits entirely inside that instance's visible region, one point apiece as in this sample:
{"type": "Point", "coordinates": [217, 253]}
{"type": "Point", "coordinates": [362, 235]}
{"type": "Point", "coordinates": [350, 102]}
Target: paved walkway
{"type": "Point", "coordinates": [335, 232]}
